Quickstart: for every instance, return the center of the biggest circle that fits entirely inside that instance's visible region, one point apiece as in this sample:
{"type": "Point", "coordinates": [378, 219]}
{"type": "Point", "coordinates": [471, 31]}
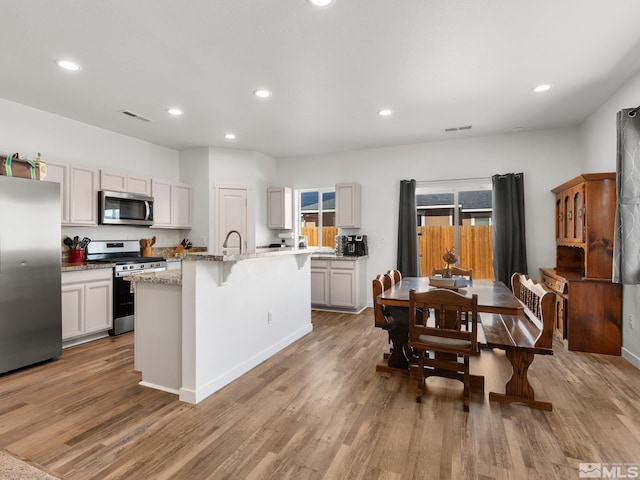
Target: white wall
{"type": "Point", "coordinates": [598, 136]}
{"type": "Point", "coordinates": [547, 158]}
{"type": "Point", "coordinates": [60, 140]}
{"type": "Point", "coordinates": [194, 170]}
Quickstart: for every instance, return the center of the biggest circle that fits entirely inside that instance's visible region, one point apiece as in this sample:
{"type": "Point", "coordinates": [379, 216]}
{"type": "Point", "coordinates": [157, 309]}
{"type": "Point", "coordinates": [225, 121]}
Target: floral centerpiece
{"type": "Point", "coordinates": [450, 258]}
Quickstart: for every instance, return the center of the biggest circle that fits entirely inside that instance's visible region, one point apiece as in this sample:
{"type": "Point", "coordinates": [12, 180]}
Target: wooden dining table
{"type": "Point", "coordinates": [493, 297]}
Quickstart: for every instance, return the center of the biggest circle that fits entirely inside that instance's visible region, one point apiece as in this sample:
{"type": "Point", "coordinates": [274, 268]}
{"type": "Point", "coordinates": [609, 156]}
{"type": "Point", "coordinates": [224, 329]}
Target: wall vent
{"type": "Point", "coordinates": [137, 116]}
{"type": "Point", "coordinates": [457, 129]}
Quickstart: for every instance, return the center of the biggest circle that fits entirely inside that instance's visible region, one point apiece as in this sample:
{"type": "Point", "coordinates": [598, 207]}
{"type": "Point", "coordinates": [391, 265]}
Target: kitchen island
{"type": "Point", "coordinates": [202, 327]}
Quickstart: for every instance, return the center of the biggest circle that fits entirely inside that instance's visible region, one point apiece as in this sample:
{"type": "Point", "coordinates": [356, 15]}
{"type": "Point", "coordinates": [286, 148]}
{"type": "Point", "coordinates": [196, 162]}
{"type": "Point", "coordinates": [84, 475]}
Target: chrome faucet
{"type": "Point", "coordinates": [226, 240]}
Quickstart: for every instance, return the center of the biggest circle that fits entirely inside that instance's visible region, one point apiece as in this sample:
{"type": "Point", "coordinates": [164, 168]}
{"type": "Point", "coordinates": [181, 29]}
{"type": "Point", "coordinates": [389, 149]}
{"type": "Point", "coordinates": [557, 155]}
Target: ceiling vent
{"type": "Point", "coordinates": [457, 129]}
{"type": "Point", "coordinates": [131, 114]}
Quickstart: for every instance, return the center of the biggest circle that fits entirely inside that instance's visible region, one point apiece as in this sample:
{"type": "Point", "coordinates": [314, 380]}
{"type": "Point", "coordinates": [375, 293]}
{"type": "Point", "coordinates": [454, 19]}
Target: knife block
{"type": "Point", "coordinates": [146, 252]}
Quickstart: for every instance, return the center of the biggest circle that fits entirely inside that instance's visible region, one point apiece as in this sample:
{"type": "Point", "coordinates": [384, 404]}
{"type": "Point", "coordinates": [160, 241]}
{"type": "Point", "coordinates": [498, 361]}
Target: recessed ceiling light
{"type": "Point", "coordinates": [174, 111]}
{"type": "Point", "coordinates": [385, 112]}
{"type": "Point", "coordinates": [230, 136]}
{"type": "Point", "coordinates": [262, 93]}
{"type": "Point", "coordinates": [542, 88]}
{"type": "Point", "coordinates": [67, 65]}
{"type": "Point", "coordinates": [320, 3]}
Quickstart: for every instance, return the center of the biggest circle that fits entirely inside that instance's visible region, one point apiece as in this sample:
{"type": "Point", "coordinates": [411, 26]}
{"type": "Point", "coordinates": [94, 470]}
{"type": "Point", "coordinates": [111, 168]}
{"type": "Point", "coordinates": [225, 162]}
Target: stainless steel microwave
{"type": "Point", "coordinates": [119, 208]}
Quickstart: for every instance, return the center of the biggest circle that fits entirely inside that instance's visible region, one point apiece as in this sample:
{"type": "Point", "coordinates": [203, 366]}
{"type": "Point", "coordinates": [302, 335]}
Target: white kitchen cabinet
{"type": "Point", "coordinates": [78, 193]}
{"type": "Point", "coordinates": [348, 205]}
{"type": "Point", "coordinates": [141, 185]}
{"type": "Point", "coordinates": [338, 283]}
{"type": "Point", "coordinates": [60, 174]}
{"type": "Point", "coordinates": [279, 208]}
{"type": "Point", "coordinates": [113, 181]}
{"type": "Point", "coordinates": [121, 182]}
{"type": "Point", "coordinates": [83, 196]}
{"type": "Point", "coordinates": [320, 282]}
{"type": "Point", "coordinates": [181, 206]}
{"type": "Point", "coordinates": [171, 204]}
{"type": "Point", "coordinates": [87, 304]}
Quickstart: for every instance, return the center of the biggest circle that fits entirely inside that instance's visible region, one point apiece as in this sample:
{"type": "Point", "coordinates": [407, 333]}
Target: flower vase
{"type": "Point", "coordinates": [446, 272]}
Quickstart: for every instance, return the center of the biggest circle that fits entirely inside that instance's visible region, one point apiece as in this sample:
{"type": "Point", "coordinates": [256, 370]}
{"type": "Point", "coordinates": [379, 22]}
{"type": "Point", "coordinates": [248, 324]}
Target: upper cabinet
{"type": "Point", "coordinates": [279, 208]}
{"type": "Point", "coordinates": [585, 216]}
{"type": "Point", "coordinates": [83, 196]}
{"type": "Point", "coordinates": [121, 182]}
{"type": "Point", "coordinates": [60, 174]}
{"type": "Point", "coordinates": [348, 211]}
{"type": "Point", "coordinates": [78, 193]}
{"type": "Point", "coordinates": [171, 204]}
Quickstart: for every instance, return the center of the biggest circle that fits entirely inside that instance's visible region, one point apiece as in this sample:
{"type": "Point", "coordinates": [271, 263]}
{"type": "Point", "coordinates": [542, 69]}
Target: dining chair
{"type": "Point", "coordinates": [447, 334]}
{"type": "Point", "coordinates": [381, 319]}
{"type": "Point", "coordinates": [395, 275]}
{"type": "Point", "coordinates": [454, 271]}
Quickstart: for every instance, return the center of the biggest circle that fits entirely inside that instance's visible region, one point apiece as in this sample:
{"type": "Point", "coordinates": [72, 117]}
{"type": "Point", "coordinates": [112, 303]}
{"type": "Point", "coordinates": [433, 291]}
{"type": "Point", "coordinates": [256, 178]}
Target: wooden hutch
{"type": "Point", "coordinates": [588, 304]}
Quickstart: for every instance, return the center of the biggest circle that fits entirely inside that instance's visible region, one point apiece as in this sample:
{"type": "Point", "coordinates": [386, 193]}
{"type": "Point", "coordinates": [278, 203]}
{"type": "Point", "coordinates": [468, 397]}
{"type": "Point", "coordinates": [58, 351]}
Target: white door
{"type": "Point", "coordinates": [232, 215]}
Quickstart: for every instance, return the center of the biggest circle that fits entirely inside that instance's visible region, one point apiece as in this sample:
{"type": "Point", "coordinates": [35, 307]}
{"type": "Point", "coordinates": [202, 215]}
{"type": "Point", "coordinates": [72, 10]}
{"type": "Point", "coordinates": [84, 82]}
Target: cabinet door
{"type": "Point", "coordinates": [60, 174]}
{"type": "Point", "coordinates": [72, 310]}
{"type": "Point", "coordinates": [279, 208]}
{"type": "Point", "coordinates": [577, 207]}
{"type": "Point", "coordinates": [83, 196]}
{"type": "Point", "coordinates": [113, 181]}
{"type": "Point", "coordinates": [343, 288]}
{"type": "Point", "coordinates": [181, 197]}
{"type": "Point", "coordinates": [348, 205]}
{"type": "Point", "coordinates": [98, 311]}
{"type": "Point", "coordinates": [139, 185]}
{"type": "Point", "coordinates": [320, 286]}
{"type": "Point", "coordinates": [567, 232]}
{"type": "Point", "coordinates": [559, 218]}
{"type": "Point", "coordinates": [162, 201]}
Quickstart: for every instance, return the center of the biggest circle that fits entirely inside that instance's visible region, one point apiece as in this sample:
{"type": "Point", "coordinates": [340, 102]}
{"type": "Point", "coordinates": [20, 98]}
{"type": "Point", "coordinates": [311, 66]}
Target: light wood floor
{"type": "Point", "coordinates": [318, 410]}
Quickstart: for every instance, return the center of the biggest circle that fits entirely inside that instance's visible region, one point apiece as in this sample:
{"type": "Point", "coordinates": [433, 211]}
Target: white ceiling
{"type": "Point", "coordinates": [436, 63]}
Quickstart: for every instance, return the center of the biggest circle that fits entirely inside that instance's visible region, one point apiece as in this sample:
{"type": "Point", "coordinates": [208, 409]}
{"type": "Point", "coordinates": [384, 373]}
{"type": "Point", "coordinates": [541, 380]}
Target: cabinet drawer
{"type": "Point", "coordinates": [319, 263]}
{"type": "Point", "coordinates": [556, 285]}
{"type": "Point", "coordinates": [342, 265]}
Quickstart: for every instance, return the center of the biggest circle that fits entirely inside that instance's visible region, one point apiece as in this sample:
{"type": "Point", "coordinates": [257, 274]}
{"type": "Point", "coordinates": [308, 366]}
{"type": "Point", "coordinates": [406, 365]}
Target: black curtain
{"type": "Point", "coordinates": [509, 236]}
{"type": "Point", "coordinates": [408, 231]}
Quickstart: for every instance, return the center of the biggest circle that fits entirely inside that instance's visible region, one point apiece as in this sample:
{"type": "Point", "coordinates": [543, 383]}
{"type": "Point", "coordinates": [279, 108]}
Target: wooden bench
{"type": "Point", "coordinates": [522, 337]}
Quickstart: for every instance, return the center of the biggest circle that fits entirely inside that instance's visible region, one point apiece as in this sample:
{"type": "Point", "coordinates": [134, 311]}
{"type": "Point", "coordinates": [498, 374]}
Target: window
{"type": "Point", "coordinates": [455, 214]}
{"type": "Point", "coordinates": [317, 216]}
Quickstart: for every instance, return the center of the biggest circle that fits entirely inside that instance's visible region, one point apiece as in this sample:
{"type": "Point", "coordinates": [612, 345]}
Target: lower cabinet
{"type": "Point", "coordinates": [87, 305]}
{"type": "Point", "coordinates": [588, 312]}
{"type": "Point", "coordinates": [338, 283]}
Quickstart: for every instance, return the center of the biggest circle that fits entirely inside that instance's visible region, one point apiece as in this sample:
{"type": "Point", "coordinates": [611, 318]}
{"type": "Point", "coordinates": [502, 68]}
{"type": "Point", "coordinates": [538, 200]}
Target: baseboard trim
{"type": "Point", "coordinates": [631, 358]}
{"type": "Point", "coordinates": [209, 388]}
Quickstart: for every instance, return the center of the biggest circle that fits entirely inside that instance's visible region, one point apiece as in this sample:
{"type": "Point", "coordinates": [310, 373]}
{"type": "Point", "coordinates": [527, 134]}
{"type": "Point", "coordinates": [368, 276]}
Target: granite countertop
{"type": "Point", "coordinates": [333, 256]}
{"type": "Point", "coordinates": [167, 277]}
{"type": "Point", "coordinates": [71, 267]}
{"type": "Point", "coordinates": [258, 253]}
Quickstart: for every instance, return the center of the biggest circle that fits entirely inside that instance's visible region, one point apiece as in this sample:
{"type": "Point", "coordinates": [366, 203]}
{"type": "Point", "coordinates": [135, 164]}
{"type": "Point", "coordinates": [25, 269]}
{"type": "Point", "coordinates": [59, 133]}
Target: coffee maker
{"type": "Point", "coordinates": [356, 246]}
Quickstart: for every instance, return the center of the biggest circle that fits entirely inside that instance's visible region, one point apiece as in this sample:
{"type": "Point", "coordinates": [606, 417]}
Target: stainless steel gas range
{"type": "Point", "coordinates": [128, 261]}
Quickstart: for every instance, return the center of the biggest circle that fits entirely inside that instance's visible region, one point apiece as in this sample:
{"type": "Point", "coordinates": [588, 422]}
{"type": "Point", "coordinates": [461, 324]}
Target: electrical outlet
{"type": "Point", "coordinates": [269, 318]}
{"type": "Point", "coordinates": [631, 321]}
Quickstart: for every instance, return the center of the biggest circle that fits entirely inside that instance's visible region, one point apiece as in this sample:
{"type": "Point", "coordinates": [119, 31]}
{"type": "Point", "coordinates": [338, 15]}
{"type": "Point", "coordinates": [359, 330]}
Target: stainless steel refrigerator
{"type": "Point", "coordinates": [30, 303]}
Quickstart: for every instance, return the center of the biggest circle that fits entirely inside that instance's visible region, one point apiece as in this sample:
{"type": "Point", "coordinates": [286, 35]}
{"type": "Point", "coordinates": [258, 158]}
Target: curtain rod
{"type": "Point", "coordinates": [632, 113]}
{"type": "Point", "coordinates": [454, 180]}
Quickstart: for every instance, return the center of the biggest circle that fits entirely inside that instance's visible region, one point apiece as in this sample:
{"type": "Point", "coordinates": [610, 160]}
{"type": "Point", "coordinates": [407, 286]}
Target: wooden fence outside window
{"type": "Point", "coordinates": [475, 250]}
{"type": "Point", "coordinates": [475, 247]}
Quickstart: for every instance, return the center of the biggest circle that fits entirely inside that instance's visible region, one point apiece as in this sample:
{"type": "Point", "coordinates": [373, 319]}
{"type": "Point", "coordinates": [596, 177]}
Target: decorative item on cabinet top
{"type": "Point", "coordinates": [13, 166]}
